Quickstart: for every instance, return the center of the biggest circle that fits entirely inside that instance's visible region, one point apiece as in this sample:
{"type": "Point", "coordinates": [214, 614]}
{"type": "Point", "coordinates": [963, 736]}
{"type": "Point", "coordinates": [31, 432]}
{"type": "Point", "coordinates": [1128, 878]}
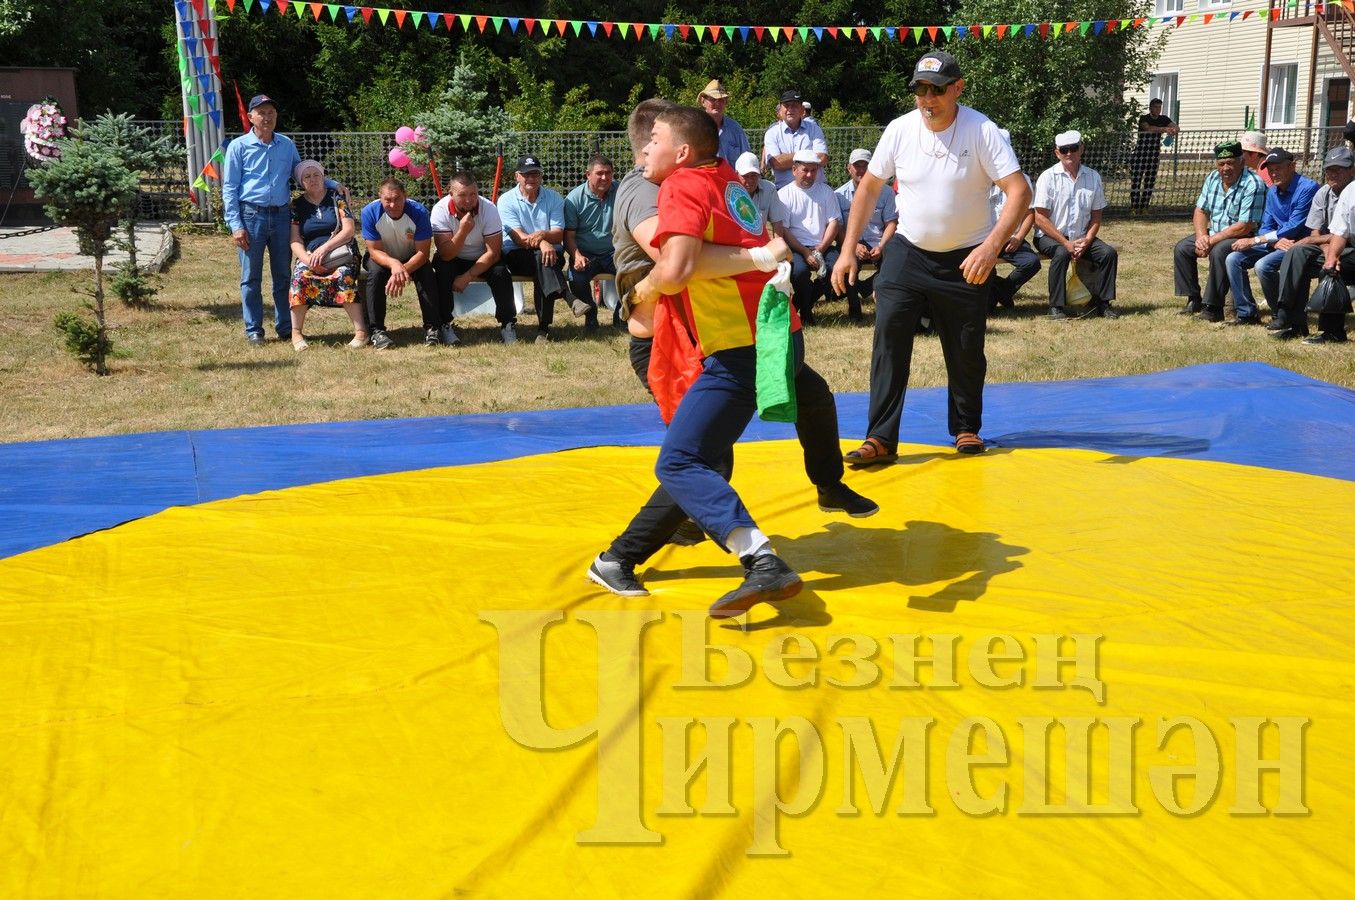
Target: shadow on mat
{"type": "Point", "coordinates": [1127, 446]}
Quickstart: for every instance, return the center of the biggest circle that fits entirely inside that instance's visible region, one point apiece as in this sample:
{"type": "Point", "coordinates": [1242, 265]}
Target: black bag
{"type": "Point", "coordinates": [1331, 296]}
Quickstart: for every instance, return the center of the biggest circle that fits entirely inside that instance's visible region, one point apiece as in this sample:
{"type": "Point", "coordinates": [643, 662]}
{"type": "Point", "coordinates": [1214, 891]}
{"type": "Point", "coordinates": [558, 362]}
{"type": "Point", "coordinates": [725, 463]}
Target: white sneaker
{"type": "Point", "coordinates": [447, 335]}
{"type": "Point", "coordinates": [510, 334]}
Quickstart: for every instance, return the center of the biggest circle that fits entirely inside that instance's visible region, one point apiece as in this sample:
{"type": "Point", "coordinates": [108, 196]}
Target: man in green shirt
{"type": "Point", "coordinates": [588, 236]}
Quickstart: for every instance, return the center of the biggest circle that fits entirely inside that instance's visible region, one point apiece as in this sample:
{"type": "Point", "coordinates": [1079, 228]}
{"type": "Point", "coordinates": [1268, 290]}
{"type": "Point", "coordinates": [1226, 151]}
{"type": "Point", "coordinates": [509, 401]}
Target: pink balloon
{"type": "Point", "coordinates": [404, 133]}
{"type": "Point", "coordinates": [419, 132]}
{"type": "Point", "coordinates": [398, 158]}
{"type": "Point", "coordinates": [417, 171]}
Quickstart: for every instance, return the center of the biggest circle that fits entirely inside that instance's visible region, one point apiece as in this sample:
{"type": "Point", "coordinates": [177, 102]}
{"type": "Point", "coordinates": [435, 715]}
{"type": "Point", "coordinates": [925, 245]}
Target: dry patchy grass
{"type": "Point", "coordinates": [184, 363]}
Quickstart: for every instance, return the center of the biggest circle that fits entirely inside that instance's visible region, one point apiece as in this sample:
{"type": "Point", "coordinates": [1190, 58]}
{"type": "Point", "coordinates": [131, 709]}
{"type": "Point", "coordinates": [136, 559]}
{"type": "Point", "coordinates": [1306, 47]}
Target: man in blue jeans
{"type": "Point", "coordinates": [256, 192]}
{"type": "Point", "coordinates": [1285, 219]}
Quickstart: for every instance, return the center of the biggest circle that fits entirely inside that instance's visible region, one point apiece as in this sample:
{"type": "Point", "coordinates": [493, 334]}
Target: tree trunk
{"type": "Point", "coordinates": [131, 243]}
{"type": "Point", "coordinates": [99, 367]}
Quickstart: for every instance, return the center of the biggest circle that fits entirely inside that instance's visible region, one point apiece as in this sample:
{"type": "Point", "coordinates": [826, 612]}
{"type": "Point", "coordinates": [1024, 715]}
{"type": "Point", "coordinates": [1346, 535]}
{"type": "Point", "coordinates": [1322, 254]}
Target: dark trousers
{"type": "Point", "coordinates": [1025, 264]}
{"type": "Point", "coordinates": [435, 314]}
{"type": "Point", "coordinates": [581, 281]}
{"type": "Point", "coordinates": [816, 428]}
{"type": "Point", "coordinates": [1186, 266]}
{"type": "Point", "coordinates": [913, 283]}
{"type": "Point", "coordinates": [805, 288]}
{"type": "Point", "coordinates": [1103, 256]}
{"type": "Point", "coordinates": [1142, 178]}
{"type": "Point", "coordinates": [548, 281]}
{"type": "Point", "coordinates": [497, 276]}
{"type": "Point", "coordinates": [1302, 263]}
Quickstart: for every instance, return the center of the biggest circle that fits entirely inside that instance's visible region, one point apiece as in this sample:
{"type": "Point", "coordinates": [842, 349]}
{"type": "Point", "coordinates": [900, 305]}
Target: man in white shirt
{"type": "Point", "coordinates": [813, 224]}
{"type": "Point", "coordinates": [468, 237]}
{"type": "Point", "coordinates": [945, 157]}
{"type": "Point", "coordinates": [1068, 203]}
{"type": "Point", "coordinates": [883, 222]}
{"type": "Point", "coordinates": [787, 135]}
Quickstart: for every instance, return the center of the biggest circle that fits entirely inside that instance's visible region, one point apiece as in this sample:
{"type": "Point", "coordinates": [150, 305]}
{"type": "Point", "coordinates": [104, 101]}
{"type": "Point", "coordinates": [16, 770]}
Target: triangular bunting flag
{"type": "Point", "coordinates": [607, 28]}
{"type": "Point", "coordinates": [219, 155]}
{"type": "Point", "coordinates": [230, 5]}
{"type": "Point", "coordinates": [351, 12]}
{"type": "Point", "coordinates": [890, 32]}
{"type": "Point", "coordinates": [465, 20]}
{"type": "Point", "coordinates": [528, 24]}
{"type": "Point", "coordinates": [498, 24]}
{"type": "Point", "coordinates": [714, 31]}
{"type": "Point", "coordinates": [215, 116]}
{"type": "Point", "coordinates": [1209, 17]}
{"type": "Point", "coordinates": [562, 25]}
{"type": "Point", "coordinates": [197, 119]}
{"type": "Point", "coordinates": [832, 30]}
{"type": "Point", "coordinates": [249, 5]}
{"type": "Point", "coordinates": [729, 32]}
{"type": "Point", "coordinates": [860, 34]}
{"type": "Point", "coordinates": [876, 31]}
{"type": "Point", "coordinates": [623, 28]}
{"type": "Point", "coordinates": [209, 44]}
{"type": "Point", "coordinates": [949, 31]}
{"type": "Point", "coordinates": [333, 12]}
{"type": "Point", "coordinates": [366, 14]}
{"type": "Point", "coordinates": [818, 35]}
{"type": "Point", "coordinates": [757, 30]}
{"type": "Point", "coordinates": [592, 29]}
{"type": "Point", "coordinates": [789, 33]}
{"type": "Point", "coordinates": [315, 10]}
{"type": "Point", "coordinates": [400, 17]}
{"type": "Point", "coordinates": [775, 33]}
{"type": "Point", "coordinates": [193, 102]}
{"type": "Point", "coordinates": [1192, 18]}
{"type": "Point", "coordinates": [931, 32]}
{"type": "Point", "coordinates": [199, 183]}
{"type": "Point", "coordinates": [210, 171]}
{"type": "Point", "coordinates": [577, 25]}
{"type": "Point", "coordinates": [917, 34]}
{"type": "Point", "coordinates": [1083, 27]}
{"type": "Point", "coordinates": [383, 14]}
{"type": "Point", "coordinates": [987, 31]}
{"type": "Point", "coordinates": [961, 32]}
{"type": "Point", "coordinates": [743, 32]}
{"type": "Point", "coordinates": [1234, 14]}
{"type": "Point", "coordinates": [638, 28]}
{"type": "Point", "coordinates": [803, 32]}
{"type": "Point", "coordinates": [654, 31]}
{"type": "Point", "coordinates": [283, 6]}
{"type": "Point", "coordinates": [191, 46]}
{"type": "Point", "coordinates": [483, 23]}
{"type": "Point", "coordinates": [1180, 20]}
{"type": "Point", "coordinates": [1138, 23]}
{"type": "Point", "coordinates": [683, 29]}
{"type": "Point", "coordinates": [512, 23]}
{"type": "Point", "coordinates": [1044, 29]}
{"type": "Point", "coordinates": [202, 12]}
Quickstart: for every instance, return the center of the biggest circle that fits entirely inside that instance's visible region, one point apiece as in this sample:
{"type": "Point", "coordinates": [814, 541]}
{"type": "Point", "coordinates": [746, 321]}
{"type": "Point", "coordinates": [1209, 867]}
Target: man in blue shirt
{"type": "Point", "coordinates": [533, 231]}
{"type": "Point", "coordinates": [880, 229]}
{"type": "Point", "coordinates": [256, 193]}
{"type": "Point", "coordinates": [588, 236]}
{"type": "Point", "coordinates": [1285, 218]}
{"type": "Point", "coordinates": [399, 237]}
{"type": "Point", "coordinates": [733, 141]}
{"type": "Point", "coordinates": [789, 134]}
{"type": "Point", "coordinates": [1229, 207]}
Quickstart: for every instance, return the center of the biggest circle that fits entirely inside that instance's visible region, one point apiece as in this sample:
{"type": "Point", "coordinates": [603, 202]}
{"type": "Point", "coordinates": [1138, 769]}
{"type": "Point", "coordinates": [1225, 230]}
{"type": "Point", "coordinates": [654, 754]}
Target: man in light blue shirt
{"type": "Point", "coordinates": [1285, 218]}
{"type": "Point", "coordinates": [256, 193]}
{"type": "Point", "coordinates": [533, 233]}
{"type": "Point", "coordinates": [733, 141]}
{"type": "Point", "coordinates": [884, 220]}
{"type": "Point", "coordinates": [588, 236]}
{"type": "Point", "coordinates": [791, 133]}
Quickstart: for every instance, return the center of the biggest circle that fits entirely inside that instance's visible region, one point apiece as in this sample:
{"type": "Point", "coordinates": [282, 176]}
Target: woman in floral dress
{"type": "Point", "coordinates": [321, 222]}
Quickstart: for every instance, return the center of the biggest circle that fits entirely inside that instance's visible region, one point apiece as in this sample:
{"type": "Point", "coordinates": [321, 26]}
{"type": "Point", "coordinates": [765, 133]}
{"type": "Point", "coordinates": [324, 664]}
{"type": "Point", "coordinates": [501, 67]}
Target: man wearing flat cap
{"type": "Point", "coordinates": [791, 133]}
{"type": "Point", "coordinates": [1305, 258]}
{"type": "Point", "coordinates": [1068, 203]}
{"type": "Point", "coordinates": [1285, 219]}
{"type": "Point", "coordinates": [813, 225]}
{"type": "Point", "coordinates": [533, 235]}
{"type": "Point", "coordinates": [945, 157]}
{"type": "Point", "coordinates": [733, 140]}
{"type": "Point", "coordinates": [1255, 148]}
{"type": "Point", "coordinates": [1229, 207]}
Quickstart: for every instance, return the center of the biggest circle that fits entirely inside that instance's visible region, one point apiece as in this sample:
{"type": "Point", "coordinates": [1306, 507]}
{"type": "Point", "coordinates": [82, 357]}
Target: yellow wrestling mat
{"type": "Point", "coordinates": [310, 692]}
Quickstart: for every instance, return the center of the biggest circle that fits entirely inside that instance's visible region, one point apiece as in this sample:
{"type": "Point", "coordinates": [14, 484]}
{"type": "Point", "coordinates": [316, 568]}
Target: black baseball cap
{"type": "Point", "coordinates": [938, 68]}
{"type": "Point", "coordinates": [791, 97]}
{"type": "Point", "coordinates": [528, 164]}
{"type": "Point", "coordinates": [260, 100]}
{"type": "Point", "coordinates": [1278, 155]}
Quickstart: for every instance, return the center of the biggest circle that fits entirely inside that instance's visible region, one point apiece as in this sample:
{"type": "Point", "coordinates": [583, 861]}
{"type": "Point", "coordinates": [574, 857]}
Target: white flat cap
{"type": "Point", "coordinates": [860, 154]}
{"type": "Point", "coordinates": [806, 156]}
{"type": "Point", "coordinates": [1067, 138]}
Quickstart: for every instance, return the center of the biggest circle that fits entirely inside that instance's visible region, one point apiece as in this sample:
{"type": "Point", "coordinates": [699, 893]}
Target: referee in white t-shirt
{"type": "Point", "coordinates": [945, 157]}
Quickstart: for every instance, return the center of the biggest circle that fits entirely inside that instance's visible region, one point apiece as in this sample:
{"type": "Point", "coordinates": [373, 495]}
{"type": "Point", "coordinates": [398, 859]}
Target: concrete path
{"type": "Point", "coordinates": [58, 250]}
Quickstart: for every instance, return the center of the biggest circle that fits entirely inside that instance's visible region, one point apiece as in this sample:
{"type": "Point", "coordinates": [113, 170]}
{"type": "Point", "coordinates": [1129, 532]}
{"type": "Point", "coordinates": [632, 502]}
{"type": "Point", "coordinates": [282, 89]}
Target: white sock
{"type": "Point", "coordinates": [745, 541]}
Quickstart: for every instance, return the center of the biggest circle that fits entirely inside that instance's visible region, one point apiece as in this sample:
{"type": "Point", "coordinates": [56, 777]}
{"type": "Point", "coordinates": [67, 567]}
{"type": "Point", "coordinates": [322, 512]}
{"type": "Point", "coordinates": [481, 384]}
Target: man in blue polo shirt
{"type": "Point", "coordinates": [789, 134]}
{"type": "Point", "coordinates": [399, 237]}
{"type": "Point", "coordinates": [533, 233]}
{"type": "Point", "coordinates": [256, 193]}
{"type": "Point", "coordinates": [1285, 218]}
{"type": "Point", "coordinates": [733, 140]}
{"type": "Point", "coordinates": [588, 236]}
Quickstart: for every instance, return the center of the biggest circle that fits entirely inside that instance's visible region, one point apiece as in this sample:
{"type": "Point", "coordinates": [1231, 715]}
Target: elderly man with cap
{"type": "Point", "coordinates": [1254, 152]}
{"type": "Point", "coordinates": [884, 220]}
{"type": "Point", "coordinates": [791, 133]}
{"type": "Point", "coordinates": [1069, 198]}
{"type": "Point", "coordinates": [813, 225]}
{"type": "Point", "coordinates": [256, 194]}
{"type": "Point", "coordinates": [945, 157]}
{"type": "Point", "coordinates": [1229, 207]}
{"type": "Point", "coordinates": [733, 140]}
{"type": "Point", "coordinates": [1025, 262]}
{"type": "Point", "coordinates": [1285, 219]}
{"type": "Point", "coordinates": [533, 235]}
{"type": "Point", "coordinates": [1306, 258]}
{"type": "Point", "coordinates": [763, 193]}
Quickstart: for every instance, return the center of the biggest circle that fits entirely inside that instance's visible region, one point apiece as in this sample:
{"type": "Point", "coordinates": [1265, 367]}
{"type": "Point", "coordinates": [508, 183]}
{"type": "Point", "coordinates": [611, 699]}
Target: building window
{"type": "Point", "coordinates": [1163, 87]}
{"type": "Point", "coordinates": [1215, 4]}
{"type": "Point", "coordinates": [1168, 7]}
{"type": "Point", "coordinates": [1282, 100]}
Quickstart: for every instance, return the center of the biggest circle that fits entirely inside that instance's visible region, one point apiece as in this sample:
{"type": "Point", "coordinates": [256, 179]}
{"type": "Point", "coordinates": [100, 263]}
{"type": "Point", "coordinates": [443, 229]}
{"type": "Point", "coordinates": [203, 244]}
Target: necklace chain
{"type": "Point", "coordinates": [945, 147]}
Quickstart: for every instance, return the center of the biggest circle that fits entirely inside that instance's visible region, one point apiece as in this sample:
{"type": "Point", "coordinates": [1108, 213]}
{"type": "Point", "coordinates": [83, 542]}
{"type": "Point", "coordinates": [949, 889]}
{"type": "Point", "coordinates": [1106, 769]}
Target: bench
{"type": "Point", "coordinates": [476, 299]}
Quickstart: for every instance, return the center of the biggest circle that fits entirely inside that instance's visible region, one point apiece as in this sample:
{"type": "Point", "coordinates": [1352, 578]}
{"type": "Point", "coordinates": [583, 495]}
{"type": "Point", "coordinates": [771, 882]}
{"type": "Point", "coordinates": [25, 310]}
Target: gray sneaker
{"type": "Point", "coordinates": [616, 576]}
{"type": "Point", "coordinates": [581, 308]}
{"type": "Point", "coordinates": [510, 334]}
{"type": "Point", "coordinates": [381, 340]}
{"type": "Point", "coordinates": [447, 335]}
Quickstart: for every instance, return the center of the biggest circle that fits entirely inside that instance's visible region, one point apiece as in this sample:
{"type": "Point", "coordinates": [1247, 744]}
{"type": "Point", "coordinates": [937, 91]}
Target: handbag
{"type": "Point", "coordinates": [344, 254]}
{"type": "Point", "coordinates": [1331, 296]}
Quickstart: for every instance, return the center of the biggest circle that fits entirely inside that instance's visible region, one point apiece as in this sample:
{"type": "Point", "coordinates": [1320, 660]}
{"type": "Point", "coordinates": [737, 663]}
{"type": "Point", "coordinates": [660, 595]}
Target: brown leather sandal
{"type": "Point", "coordinates": [872, 452]}
{"type": "Point", "coordinates": [968, 442]}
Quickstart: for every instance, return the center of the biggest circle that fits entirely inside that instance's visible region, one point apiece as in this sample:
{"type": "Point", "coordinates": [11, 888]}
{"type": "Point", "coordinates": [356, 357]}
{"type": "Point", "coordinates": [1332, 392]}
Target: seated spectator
{"type": "Point", "coordinates": [1068, 203]}
{"type": "Point", "coordinates": [1255, 149]}
{"type": "Point", "coordinates": [1329, 216]}
{"type": "Point", "coordinates": [1231, 203]}
{"type": "Point", "coordinates": [468, 235]}
{"type": "Point", "coordinates": [588, 237]}
{"type": "Point", "coordinates": [733, 139]}
{"type": "Point", "coordinates": [813, 224]}
{"type": "Point", "coordinates": [321, 222]}
{"type": "Point", "coordinates": [763, 193]}
{"type": "Point", "coordinates": [399, 240]}
{"type": "Point", "coordinates": [883, 221]}
{"type": "Point", "coordinates": [1025, 261]}
{"type": "Point", "coordinates": [787, 135]}
{"type": "Point", "coordinates": [1285, 218]}
{"type": "Point", "coordinates": [533, 234]}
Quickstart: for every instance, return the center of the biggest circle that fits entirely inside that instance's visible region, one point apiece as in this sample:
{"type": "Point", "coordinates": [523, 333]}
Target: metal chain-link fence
{"type": "Point", "coordinates": [1175, 166]}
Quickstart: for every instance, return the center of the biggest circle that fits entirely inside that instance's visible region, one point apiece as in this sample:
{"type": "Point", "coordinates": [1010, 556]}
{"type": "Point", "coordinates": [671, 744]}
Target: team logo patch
{"type": "Point", "coordinates": [929, 64]}
{"type": "Point", "coordinates": [742, 208]}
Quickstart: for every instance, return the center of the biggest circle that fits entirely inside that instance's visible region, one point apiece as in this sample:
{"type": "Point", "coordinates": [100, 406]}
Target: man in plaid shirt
{"type": "Point", "coordinates": [1229, 207]}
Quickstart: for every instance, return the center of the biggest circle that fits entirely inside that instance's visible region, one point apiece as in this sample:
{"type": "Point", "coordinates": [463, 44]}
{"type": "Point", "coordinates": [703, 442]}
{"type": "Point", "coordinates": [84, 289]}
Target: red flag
{"type": "Point", "coordinates": [202, 13]}
{"type": "Point", "coordinates": [861, 35]}
{"type": "Point", "coordinates": [832, 29]}
{"type": "Point", "coordinates": [244, 116]}
{"type": "Point", "coordinates": [561, 24]}
{"type": "Point", "coordinates": [683, 30]}
{"type": "Point", "coordinates": [315, 10]}
{"type": "Point", "coordinates": [529, 23]}
{"type": "Point", "coordinates": [931, 32]}
{"type": "Point", "coordinates": [607, 27]}
{"type": "Point", "coordinates": [482, 21]}
{"type": "Point", "coordinates": [400, 17]}
{"type": "Point", "coordinates": [283, 6]}
{"type": "Point", "coordinates": [366, 15]}
{"type": "Point", "coordinates": [1002, 31]}
{"type": "Point", "coordinates": [758, 30]}
{"type": "Point", "coordinates": [230, 4]}
{"type": "Point", "coordinates": [1044, 29]}
{"type": "Point", "coordinates": [448, 19]}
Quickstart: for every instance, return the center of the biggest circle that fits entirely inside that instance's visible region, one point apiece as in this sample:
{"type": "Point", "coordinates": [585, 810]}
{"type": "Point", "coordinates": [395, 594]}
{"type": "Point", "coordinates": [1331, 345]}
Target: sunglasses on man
{"type": "Point", "coordinates": [1070, 148]}
{"type": "Point", "coordinates": [924, 88]}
